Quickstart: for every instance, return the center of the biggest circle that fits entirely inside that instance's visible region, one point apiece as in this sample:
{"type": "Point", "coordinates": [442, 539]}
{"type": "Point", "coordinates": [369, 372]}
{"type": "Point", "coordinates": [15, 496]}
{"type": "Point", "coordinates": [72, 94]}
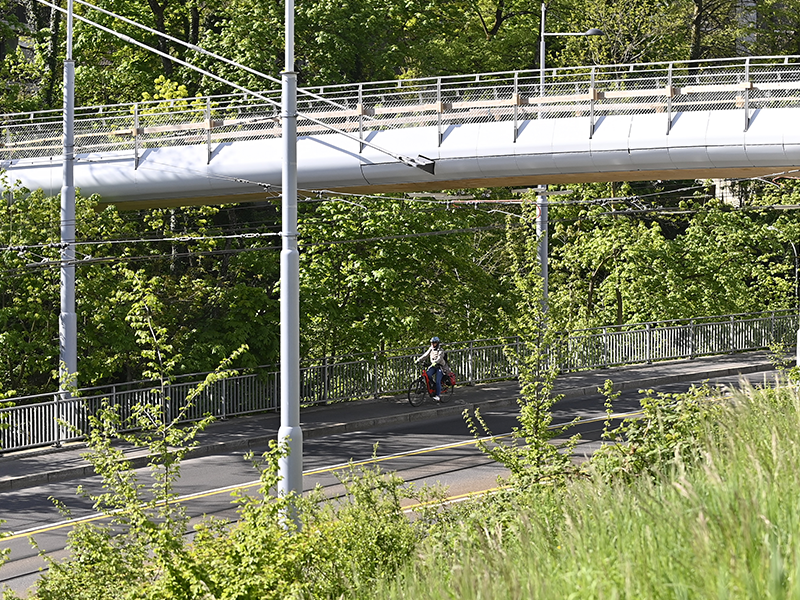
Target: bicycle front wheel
{"type": "Point", "coordinates": [417, 392]}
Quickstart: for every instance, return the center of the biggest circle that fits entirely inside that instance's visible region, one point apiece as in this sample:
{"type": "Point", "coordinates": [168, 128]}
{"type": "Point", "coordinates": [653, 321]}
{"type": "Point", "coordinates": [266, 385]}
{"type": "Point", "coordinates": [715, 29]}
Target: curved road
{"type": "Point", "coordinates": [436, 451]}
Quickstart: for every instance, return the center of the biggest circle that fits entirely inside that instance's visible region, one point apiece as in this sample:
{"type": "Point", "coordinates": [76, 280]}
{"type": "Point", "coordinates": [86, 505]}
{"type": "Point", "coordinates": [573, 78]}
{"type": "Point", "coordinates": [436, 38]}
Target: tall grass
{"type": "Point", "coordinates": [727, 526]}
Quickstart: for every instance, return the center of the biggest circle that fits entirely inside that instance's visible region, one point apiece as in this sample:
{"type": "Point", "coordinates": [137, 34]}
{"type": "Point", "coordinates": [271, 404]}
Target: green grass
{"type": "Point", "coordinates": [703, 501]}
{"type": "Point", "coordinates": [726, 526]}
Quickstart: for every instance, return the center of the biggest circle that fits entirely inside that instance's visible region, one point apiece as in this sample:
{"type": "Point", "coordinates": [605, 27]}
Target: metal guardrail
{"type": "Point", "coordinates": [34, 423]}
{"type": "Point", "coordinates": [591, 92]}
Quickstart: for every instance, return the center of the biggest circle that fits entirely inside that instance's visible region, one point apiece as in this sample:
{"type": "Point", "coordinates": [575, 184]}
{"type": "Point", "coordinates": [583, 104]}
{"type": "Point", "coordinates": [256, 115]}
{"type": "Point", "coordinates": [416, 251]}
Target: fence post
{"type": "Point", "coordinates": [276, 390]}
{"type": "Point", "coordinates": [470, 365]}
{"type": "Point", "coordinates": [135, 136]}
{"type": "Point", "coordinates": [516, 356]}
{"type": "Point", "coordinates": [732, 342]}
{"type": "Point", "coordinates": [691, 338]}
{"type": "Point", "coordinates": [360, 117]}
{"type": "Point", "coordinates": [208, 131]}
{"type": "Point", "coordinates": [605, 347]}
{"type": "Point", "coordinates": [439, 109]}
{"type": "Point", "coordinates": [746, 94]}
{"type": "Point", "coordinates": [516, 100]}
{"type": "Point", "coordinates": [57, 441]}
{"type": "Point", "coordinates": [669, 98]}
{"type": "Point", "coordinates": [165, 401]}
{"type": "Point", "coordinates": [772, 327]}
{"type": "Point", "coordinates": [375, 376]}
{"type": "Point", "coordinates": [325, 388]}
{"type": "Point", "coordinates": [649, 333]}
{"type": "Point", "coordinates": [592, 96]}
{"type": "Point", "coordinates": [224, 399]}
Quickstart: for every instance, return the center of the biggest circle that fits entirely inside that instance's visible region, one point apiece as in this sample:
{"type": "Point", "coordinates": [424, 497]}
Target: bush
{"type": "Point", "coordinates": [724, 523]}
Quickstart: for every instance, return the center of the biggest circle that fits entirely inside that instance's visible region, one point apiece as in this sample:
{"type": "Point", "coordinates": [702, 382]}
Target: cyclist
{"type": "Point", "coordinates": [439, 365]}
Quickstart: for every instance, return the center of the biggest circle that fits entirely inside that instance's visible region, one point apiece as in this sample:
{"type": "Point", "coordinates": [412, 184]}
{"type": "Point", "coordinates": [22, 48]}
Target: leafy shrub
{"type": "Point", "coordinates": [671, 428]}
{"type": "Point", "coordinates": [725, 523]}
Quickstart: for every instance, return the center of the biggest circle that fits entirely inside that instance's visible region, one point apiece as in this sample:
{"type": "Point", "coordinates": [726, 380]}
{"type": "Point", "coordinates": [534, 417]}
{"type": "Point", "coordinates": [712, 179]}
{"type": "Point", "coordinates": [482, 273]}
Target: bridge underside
{"type": "Point", "coordinates": [693, 145]}
{"type": "Point", "coordinates": [520, 181]}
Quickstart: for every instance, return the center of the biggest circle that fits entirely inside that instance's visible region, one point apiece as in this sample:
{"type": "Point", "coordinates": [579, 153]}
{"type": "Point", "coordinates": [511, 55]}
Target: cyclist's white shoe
{"type": "Point", "coordinates": [436, 398]}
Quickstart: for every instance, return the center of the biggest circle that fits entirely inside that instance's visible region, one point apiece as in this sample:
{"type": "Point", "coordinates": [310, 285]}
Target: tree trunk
{"type": "Point", "coordinates": [161, 43]}
{"type": "Point", "coordinates": [696, 49]}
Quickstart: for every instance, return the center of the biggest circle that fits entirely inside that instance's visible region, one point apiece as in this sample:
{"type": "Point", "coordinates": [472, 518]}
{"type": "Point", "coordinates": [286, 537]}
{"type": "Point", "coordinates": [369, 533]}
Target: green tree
{"type": "Point", "coordinates": [389, 272]}
{"type": "Point", "coordinates": [617, 267]}
{"type": "Point", "coordinates": [534, 456]}
{"type": "Point", "coordinates": [772, 29]}
{"type": "Point", "coordinates": [716, 28]}
{"type": "Point", "coordinates": [212, 292]}
{"type": "Point", "coordinates": [636, 31]}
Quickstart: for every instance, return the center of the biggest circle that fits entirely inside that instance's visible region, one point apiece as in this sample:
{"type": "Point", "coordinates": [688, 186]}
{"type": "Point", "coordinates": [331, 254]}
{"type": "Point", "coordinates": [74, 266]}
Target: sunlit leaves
{"type": "Point", "coordinates": [392, 272]}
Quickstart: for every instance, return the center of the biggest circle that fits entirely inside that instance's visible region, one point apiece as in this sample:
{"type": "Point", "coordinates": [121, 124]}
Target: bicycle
{"type": "Point", "coordinates": [424, 386]}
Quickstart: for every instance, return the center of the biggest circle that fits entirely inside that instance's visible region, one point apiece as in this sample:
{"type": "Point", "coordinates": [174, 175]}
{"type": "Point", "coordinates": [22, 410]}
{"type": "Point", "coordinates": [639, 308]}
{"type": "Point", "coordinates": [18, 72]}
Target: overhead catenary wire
{"type": "Point", "coordinates": [419, 162]}
{"type": "Point", "coordinates": [176, 239]}
{"type": "Point", "coordinates": [325, 195]}
{"type": "Point", "coordinates": [183, 239]}
{"type": "Point", "coordinates": [50, 263]}
{"type": "Point", "coordinates": [53, 263]}
{"type": "Point", "coordinates": [208, 53]}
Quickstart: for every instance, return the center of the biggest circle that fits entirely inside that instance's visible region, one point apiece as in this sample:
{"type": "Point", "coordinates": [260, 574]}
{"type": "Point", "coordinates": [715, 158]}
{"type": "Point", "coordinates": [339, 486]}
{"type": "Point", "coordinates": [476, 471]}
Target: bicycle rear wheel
{"type": "Point", "coordinates": [417, 392]}
{"type": "Point", "coordinates": [447, 394]}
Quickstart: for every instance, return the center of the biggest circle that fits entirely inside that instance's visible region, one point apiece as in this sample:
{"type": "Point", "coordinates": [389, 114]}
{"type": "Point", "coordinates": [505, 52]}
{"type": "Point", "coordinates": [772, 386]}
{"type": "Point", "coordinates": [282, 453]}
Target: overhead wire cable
{"type": "Point", "coordinates": [111, 259]}
{"type": "Point", "coordinates": [334, 196]}
{"type": "Point", "coordinates": [420, 162]}
{"type": "Point", "coordinates": [176, 239]}
{"type": "Point", "coordinates": [209, 53]}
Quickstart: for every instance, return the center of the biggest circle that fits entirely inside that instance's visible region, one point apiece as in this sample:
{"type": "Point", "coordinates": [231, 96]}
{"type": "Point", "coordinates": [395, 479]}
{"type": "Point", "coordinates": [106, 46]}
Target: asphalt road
{"type": "Point", "coordinates": [435, 451]}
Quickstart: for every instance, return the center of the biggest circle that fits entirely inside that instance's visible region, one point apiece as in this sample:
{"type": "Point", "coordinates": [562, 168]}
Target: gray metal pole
{"type": "Point", "coordinates": [291, 467]}
{"type": "Point", "coordinates": [541, 51]}
{"type": "Point", "coordinates": [796, 302]}
{"type": "Point", "coordinates": [796, 295]}
{"type": "Point", "coordinates": [67, 322]}
{"type": "Point", "coordinates": [541, 233]}
{"type": "Point", "coordinates": [541, 213]}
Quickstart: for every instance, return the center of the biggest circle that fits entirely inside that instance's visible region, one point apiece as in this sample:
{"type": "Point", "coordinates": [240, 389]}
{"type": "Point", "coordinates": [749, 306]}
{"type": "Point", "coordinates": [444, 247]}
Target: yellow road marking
{"type": "Point", "coordinates": [330, 469]}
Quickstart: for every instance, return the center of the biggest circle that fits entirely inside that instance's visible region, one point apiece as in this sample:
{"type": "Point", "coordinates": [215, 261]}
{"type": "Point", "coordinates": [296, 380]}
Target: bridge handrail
{"type": "Point", "coordinates": [375, 374]}
{"type": "Point", "coordinates": [733, 83]}
{"type": "Point", "coordinates": [394, 84]}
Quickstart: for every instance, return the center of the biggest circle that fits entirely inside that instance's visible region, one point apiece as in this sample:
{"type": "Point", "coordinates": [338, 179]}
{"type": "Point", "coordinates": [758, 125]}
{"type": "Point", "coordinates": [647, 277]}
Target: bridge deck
{"type": "Point", "coordinates": [725, 118]}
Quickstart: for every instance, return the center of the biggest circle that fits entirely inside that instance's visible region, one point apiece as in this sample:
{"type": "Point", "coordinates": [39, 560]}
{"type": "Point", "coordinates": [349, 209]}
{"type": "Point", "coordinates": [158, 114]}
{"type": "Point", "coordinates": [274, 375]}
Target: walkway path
{"type": "Point", "coordinates": [26, 469]}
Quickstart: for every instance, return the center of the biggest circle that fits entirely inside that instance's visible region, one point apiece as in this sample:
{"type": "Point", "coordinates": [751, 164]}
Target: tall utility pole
{"type": "Point", "coordinates": [541, 233]}
{"type": "Point", "coordinates": [290, 467]}
{"type": "Point", "coordinates": [541, 214]}
{"type": "Point", "coordinates": [67, 322]}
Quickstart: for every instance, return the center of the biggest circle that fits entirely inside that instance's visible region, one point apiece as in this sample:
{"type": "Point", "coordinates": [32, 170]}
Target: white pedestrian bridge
{"type": "Point", "coordinates": [725, 118]}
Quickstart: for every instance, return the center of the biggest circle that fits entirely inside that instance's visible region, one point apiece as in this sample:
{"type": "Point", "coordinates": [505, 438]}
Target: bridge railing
{"type": "Point", "coordinates": [743, 84]}
{"type": "Point", "coordinates": [34, 421]}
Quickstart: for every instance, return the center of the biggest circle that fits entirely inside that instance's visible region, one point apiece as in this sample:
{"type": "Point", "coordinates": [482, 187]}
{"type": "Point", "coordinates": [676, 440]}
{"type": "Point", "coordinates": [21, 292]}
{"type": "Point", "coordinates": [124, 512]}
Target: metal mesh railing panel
{"type": "Point", "coordinates": [396, 372]}
{"type": "Point", "coordinates": [731, 84]}
{"type": "Point", "coordinates": [33, 423]}
{"type": "Point", "coordinates": [28, 426]}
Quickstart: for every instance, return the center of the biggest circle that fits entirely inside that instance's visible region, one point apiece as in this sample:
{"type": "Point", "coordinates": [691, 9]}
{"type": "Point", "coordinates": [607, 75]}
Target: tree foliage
{"type": "Point", "coordinates": [209, 297]}
{"type": "Point", "coordinates": [375, 272]}
{"type": "Point", "coordinates": [383, 273]}
{"type": "Point", "coordinates": [363, 40]}
{"type": "Point", "coordinates": [610, 265]}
